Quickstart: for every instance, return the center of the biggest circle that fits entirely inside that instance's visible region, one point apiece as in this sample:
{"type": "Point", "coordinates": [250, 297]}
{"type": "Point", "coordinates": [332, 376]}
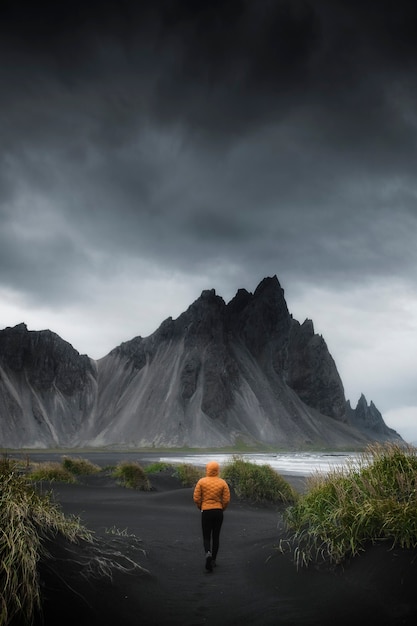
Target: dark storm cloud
{"type": "Point", "coordinates": [221, 67]}
{"type": "Point", "coordinates": [191, 131]}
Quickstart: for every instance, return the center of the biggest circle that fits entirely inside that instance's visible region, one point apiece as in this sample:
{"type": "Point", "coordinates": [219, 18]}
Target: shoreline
{"type": "Point", "coordinates": [297, 464]}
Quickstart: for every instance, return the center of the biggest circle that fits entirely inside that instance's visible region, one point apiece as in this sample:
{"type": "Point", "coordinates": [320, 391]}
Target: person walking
{"type": "Point", "coordinates": [212, 496]}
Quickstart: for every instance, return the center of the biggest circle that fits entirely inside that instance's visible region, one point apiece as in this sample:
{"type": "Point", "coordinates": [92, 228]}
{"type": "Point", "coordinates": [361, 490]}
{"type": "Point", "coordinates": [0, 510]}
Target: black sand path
{"type": "Point", "coordinates": [253, 584]}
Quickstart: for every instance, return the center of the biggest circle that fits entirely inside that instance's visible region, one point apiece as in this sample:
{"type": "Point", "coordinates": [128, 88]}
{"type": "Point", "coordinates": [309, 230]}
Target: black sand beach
{"type": "Point", "coordinates": [254, 583]}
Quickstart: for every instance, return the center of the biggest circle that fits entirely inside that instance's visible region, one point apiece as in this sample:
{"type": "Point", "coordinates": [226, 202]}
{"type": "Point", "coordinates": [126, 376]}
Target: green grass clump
{"type": "Point", "coordinates": [348, 508]}
{"type": "Point", "coordinates": [188, 474]}
{"type": "Point", "coordinates": [79, 467]}
{"type": "Point", "coordinates": [132, 475]}
{"type": "Point", "coordinates": [26, 518]}
{"type": "Point", "coordinates": [51, 471]}
{"type": "Point", "coordinates": [155, 468]}
{"type": "Point", "coordinates": [258, 483]}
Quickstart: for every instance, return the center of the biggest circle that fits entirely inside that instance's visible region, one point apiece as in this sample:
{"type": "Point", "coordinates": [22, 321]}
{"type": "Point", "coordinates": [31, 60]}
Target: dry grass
{"type": "Point", "coordinates": [51, 471]}
{"type": "Point", "coordinates": [26, 519]}
{"type": "Point", "coordinates": [79, 466]}
{"type": "Point", "coordinates": [346, 509]}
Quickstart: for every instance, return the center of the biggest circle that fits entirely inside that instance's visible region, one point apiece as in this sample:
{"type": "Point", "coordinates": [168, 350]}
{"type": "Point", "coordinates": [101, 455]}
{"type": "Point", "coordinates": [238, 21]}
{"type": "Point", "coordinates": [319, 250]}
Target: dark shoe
{"type": "Point", "coordinates": [213, 563]}
{"type": "Point", "coordinates": [209, 562]}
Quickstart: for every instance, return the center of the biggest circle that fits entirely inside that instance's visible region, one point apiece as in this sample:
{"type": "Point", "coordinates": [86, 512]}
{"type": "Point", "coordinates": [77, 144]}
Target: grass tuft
{"type": "Point", "coordinates": [132, 475]}
{"type": "Point", "coordinates": [156, 467]}
{"type": "Point", "coordinates": [79, 466]}
{"type": "Point", "coordinates": [258, 483]}
{"type": "Point", "coordinates": [51, 471]}
{"type": "Point", "coordinates": [188, 474]}
{"type": "Point", "coordinates": [26, 519]}
{"type": "Point", "coordinates": [348, 508]}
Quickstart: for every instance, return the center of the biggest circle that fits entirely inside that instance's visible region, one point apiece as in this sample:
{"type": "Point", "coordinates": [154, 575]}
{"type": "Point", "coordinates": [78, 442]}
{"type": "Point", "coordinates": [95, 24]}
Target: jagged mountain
{"type": "Point", "coordinates": [47, 389]}
{"type": "Point", "coordinates": [218, 375]}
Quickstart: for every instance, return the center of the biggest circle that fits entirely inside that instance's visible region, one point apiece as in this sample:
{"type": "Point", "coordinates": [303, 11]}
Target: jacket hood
{"type": "Point", "coordinates": [212, 468]}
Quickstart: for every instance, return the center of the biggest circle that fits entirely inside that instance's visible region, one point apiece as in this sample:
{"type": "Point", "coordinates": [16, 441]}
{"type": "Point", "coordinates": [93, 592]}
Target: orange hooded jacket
{"type": "Point", "coordinates": [212, 492]}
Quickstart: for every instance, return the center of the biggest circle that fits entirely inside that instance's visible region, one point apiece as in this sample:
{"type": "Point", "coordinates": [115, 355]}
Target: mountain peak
{"type": "Point", "coordinates": [215, 376]}
{"type": "Point", "coordinates": [268, 284]}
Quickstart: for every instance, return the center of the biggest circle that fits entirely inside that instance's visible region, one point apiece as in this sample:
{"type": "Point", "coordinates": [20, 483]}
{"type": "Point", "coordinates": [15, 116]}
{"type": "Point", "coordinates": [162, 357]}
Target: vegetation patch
{"type": "Point", "coordinates": [258, 483]}
{"type": "Point", "coordinates": [67, 471]}
{"type": "Point", "coordinates": [157, 467]}
{"type": "Point", "coordinates": [348, 508]}
{"type": "Point", "coordinates": [188, 474]}
{"type": "Point", "coordinates": [26, 519]}
{"type": "Point", "coordinates": [132, 475]}
{"type": "Point", "coordinates": [79, 466]}
{"type": "Point", "coordinates": [51, 471]}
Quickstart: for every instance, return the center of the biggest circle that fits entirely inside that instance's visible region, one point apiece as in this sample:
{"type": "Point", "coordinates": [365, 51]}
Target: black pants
{"type": "Point", "coordinates": [211, 523]}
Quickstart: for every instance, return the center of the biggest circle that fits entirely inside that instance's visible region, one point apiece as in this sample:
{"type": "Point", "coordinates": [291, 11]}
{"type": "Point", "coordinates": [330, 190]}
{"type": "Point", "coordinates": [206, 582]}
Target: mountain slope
{"type": "Point", "coordinates": [219, 374]}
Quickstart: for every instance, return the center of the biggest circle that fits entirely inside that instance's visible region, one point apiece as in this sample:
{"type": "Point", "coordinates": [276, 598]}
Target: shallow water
{"type": "Point", "coordinates": [297, 464]}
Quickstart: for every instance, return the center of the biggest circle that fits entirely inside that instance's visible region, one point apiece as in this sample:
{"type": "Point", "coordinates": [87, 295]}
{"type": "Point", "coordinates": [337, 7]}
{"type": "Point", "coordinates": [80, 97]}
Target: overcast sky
{"type": "Point", "coordinates": [151, 150]}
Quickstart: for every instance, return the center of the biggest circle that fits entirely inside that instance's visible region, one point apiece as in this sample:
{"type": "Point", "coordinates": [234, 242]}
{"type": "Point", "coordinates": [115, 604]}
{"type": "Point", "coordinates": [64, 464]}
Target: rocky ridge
{"type": "Point", "coordinates": [219, 375]}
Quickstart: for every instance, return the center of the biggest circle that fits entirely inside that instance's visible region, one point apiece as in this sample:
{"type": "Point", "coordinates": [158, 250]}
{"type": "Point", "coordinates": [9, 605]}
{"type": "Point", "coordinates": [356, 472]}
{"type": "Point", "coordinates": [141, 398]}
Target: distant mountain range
{"type": "Point", "coordinates": [220, 375]}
